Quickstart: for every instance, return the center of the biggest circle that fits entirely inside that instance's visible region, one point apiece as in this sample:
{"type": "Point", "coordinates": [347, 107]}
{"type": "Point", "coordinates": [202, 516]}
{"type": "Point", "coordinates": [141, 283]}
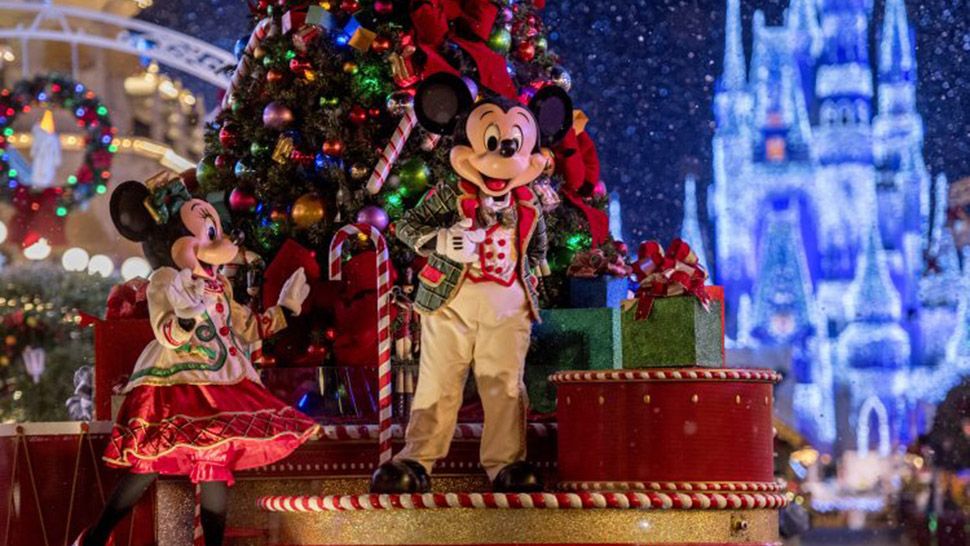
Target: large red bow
{"type": "Point", "coordinates": [673, 272]}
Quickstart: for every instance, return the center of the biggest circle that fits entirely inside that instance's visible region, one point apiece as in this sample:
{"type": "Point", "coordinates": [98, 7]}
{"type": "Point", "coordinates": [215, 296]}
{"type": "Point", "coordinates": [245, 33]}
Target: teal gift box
{"type": "Point", "coordinates": [570, 339]}
{"type": "Point", "coordinates": [679, 332]}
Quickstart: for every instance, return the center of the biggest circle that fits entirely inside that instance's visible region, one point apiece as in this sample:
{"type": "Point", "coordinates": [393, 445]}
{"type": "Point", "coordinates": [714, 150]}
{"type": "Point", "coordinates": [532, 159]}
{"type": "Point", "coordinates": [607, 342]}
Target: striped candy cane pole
{"type": "Point", "coordinates": [198, 538]}
{"type": "Point", "coordinates": [263, 29]}
{"type": "Point", "coordinates": [383, 320]}
{"type": "Point", "coordinates": [391, 152]}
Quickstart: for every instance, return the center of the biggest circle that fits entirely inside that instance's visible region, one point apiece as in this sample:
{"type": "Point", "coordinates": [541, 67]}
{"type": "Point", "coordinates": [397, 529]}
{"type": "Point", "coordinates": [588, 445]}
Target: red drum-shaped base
{"type": "Point", "coordinates": [685, 429]}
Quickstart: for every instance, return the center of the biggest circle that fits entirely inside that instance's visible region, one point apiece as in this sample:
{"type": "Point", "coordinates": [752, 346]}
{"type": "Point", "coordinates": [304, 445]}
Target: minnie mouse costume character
{"type": "Point", "coordinates": [485, 239]}
{"type": "Point", "coordinates": [194, 405]}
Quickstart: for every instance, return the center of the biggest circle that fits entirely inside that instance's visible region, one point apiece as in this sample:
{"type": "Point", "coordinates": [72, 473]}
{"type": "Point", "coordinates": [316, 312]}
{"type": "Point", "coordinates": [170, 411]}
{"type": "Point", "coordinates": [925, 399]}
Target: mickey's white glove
{"type": "Point", "coordinates": [460, 243]}
{"type": "Point", "coordinates": [295, 291]}
{"type": "Point", "coordinates": [185, 295]}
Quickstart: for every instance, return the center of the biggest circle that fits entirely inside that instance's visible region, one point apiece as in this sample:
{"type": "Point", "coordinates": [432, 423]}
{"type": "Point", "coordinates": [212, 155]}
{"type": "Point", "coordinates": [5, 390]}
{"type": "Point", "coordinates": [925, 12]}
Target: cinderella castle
{"type": "Point", "coordinates": [830, 233]}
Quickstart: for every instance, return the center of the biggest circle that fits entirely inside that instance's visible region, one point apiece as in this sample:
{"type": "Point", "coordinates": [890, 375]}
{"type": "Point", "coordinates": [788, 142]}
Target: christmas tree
{"type": "Point", "coordinates": [317, 130]}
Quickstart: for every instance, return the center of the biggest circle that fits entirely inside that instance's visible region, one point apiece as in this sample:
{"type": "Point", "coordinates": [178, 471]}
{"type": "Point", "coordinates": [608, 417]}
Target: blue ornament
{"type": "Point", "coordinates": [240, 48]}
{"type": "Point", "coordinates": [322, 162]}
{"type": "Point", "coordinates": [244, 172]}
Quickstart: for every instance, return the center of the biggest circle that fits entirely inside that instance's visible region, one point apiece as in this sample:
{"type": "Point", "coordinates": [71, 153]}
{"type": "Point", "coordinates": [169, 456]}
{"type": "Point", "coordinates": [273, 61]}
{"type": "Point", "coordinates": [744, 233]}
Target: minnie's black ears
{"type": "Point", "coordinates": [553, 110]}
{"type": "Point", "coordinates": [128, 212]}
{"type": "Point", "coordinates": [440, 100]}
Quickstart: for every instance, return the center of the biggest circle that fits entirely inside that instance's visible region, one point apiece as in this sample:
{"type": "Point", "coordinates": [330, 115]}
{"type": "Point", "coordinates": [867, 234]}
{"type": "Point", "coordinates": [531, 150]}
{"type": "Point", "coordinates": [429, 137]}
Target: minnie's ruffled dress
{"type": "Point", "coordinates": [194, 404]}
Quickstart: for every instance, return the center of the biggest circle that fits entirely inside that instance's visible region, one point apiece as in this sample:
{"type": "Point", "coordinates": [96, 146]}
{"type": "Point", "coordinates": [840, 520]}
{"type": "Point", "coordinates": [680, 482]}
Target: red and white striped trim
{"type": "Point", "coordinates": [668, 374]}
{"type": "Point", "coordinates": [464, 431]}
{"type": "Point", "coordinates": [709, 487]}
{"type": "Point", "coordinates": [383, 320]}
{"type": "Point", "coordinates": [549, 501]}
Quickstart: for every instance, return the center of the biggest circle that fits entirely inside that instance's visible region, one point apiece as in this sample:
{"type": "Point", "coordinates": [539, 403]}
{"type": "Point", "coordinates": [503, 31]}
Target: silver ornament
{"type": "Point", "coordinates": [398, 102]}
{"type": "Point", "coordinates": [561, 77]}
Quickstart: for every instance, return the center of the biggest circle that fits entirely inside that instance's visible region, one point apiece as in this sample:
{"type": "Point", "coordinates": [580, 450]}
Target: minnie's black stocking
{"type": "Point", "coordinates": [214, 500]}
{"type": "Point", "coordinates": [126, 494]}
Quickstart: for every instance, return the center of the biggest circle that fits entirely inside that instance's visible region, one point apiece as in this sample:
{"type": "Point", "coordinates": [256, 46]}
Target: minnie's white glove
{"type": "Point", "coordinates": [295, 291]}
{"type": "Point", "coordinates": [460, 243]}
{"type": "Point", "coordinates": [185, 295]}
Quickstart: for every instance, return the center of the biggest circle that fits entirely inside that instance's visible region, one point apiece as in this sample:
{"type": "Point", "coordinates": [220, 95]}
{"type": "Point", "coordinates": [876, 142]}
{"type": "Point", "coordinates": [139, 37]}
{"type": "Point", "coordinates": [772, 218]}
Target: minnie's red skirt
{"type": "Point", "coordinates": [205, 432]}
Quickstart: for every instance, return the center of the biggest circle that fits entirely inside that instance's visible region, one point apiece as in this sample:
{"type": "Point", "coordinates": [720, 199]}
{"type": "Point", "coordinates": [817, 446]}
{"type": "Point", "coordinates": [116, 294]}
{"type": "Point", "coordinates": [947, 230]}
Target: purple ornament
{"type": "Point", "coordinates": [277, 116]}
{"type": "Point", "coordinates": [472, 86]}
{"type": "Point", "coordinates": [373, 215]}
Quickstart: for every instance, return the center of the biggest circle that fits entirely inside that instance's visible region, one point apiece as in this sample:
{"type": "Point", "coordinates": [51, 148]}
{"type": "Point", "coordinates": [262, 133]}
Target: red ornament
{"type": "Point", "coordinates": [222, 162]}
{"type": "Point", "coordinates": [299, 66]}
{"type": "Point", "coordinates": [334, 148]}
{"type": "Point", "coordinates": [526, 51]}
{"type": "Point", "coordinates": [274, 76]}
{"type": "Point", "coordinates": [349, 6]}
{"type": "Point", "coordinates": [358, 115]}
{"type": "Point", "coordinates": [374, 113]}
{"type": "Point", "coordinates": [330, 334]}
{"type": "Point", "coordinates": [383, 7]}
{"type": "Point", "coordinates": [381, 45]}
{"type": "Point", "coordinates": [227, 137]}
{"type": "Point", "coordinates": [242, 200]}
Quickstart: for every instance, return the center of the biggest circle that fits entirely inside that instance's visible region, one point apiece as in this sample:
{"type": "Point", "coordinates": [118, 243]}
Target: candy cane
{"type": "Point", "coordinates": [263, 29]}
{"type": "Point", "coordinates": [391, 152]}
{"type": "Point", "coordinates": [383, 320]}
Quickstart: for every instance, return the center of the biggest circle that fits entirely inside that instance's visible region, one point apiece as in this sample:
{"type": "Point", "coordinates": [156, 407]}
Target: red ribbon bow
{"type": "Point", "coordinates": [662, 274]}
{"type": "Point", "coordinates": [595, 263]}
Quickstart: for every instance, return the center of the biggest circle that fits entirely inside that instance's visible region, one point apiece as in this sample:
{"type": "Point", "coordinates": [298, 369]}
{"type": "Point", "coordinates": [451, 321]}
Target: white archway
{"type": "Point", "coordinates": [873, 405]}
{"type": "Point", "coordinates": [164, 45]}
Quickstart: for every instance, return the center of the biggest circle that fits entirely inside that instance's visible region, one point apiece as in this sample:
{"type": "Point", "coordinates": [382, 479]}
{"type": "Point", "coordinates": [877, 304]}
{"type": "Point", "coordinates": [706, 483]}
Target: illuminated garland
{"type": "Point", "coordinates": [92, 117]}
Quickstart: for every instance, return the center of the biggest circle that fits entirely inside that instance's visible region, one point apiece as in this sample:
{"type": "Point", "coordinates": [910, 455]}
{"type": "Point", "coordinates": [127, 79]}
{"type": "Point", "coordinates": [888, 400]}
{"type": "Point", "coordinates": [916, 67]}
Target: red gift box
{"type": "Point", "coordinates": [117, 345]}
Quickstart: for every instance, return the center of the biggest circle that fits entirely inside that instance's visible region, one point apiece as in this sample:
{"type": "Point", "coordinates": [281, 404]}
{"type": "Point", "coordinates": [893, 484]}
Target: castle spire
{"type": "Point", "coordinates": [872, 297]}
{"type": "Point", "coordinates": [690, 227]}
{"type": "Point", "coordinates": [734, 77]}
{"type": "Point", "coordinates": [897, 59]}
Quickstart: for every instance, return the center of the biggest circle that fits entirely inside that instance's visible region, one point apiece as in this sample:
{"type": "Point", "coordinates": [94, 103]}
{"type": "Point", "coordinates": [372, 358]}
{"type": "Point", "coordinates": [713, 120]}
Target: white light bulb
{"type": "Point", "coordinates": [135, 267]}
{"type": "Point", "coordinates": [101, 265]}
{"type": "Point", "coordinates": [38, 251]}
{"type": "Point", "coordinates": [75, 259]}
{"type": "Point", "coordinates": [3, 232]}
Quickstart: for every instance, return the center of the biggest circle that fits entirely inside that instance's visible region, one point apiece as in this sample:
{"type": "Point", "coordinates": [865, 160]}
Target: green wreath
{"type": "Point", "coordinates": [91, 178]}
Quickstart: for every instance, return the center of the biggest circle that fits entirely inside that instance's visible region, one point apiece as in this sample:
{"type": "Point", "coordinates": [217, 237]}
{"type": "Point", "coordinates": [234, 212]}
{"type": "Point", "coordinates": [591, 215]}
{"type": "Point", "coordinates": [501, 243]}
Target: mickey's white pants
{"type": "Point", "coordinates": [486, 329]}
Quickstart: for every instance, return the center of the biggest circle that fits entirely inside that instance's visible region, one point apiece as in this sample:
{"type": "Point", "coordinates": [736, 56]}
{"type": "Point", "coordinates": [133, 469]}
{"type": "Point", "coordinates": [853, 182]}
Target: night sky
{"type": "Point", "coordinates": [645, 72]}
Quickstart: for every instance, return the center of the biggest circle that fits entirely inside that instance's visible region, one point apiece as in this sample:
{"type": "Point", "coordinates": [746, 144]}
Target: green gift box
{"type": "Point", "coordinates": [679, 332]}
{"type": "Point", "coordinates": [570, 339]}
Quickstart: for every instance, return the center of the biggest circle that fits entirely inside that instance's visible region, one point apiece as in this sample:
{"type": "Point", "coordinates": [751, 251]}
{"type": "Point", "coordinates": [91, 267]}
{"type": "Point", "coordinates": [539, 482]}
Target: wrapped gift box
{"type": "Point", "coordinates": [678, 332]}
{"type": "Point", "coordinates": [117, 345]}
{"type": "Point", "coordinates": [602, 291]}
{"type": "Point", "coordinates": [570, 339]}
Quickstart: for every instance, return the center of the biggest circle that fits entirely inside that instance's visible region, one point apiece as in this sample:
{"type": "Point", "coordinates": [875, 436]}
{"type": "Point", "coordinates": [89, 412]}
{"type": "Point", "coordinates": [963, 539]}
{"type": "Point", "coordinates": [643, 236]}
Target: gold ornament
{"type": "Point", "coordinates": [259, 52]}
{"type": "Point", "coordinates": [284, 147]}
{"type": "Point", "coordinates": [362, 39]}
{"type": "Point", "coordinates": [307, 210]}
{"type": "Point", "coordinates": [358, 171]}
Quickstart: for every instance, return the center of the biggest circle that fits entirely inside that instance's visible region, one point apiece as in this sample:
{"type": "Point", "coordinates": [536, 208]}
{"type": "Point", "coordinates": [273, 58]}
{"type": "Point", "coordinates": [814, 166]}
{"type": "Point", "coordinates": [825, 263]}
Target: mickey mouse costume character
{"type": "Point", "coordinates": [194, 405]}
{"type": "Point", "coordinates": [485, 238]}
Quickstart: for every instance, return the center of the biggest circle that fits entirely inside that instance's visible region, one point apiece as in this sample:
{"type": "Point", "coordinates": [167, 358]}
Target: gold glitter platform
{"type": "Point", "coordinates": [469, 526]}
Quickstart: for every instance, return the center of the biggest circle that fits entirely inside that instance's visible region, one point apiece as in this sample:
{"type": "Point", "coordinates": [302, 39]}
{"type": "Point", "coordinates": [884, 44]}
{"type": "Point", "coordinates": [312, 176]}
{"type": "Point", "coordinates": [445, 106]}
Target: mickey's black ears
{"type": "Point", "coordinates": [553, 110]}
{"type": "Point", "coordinates": [440, 100]}
{"type": "Point", "coordinates": [128, 212]}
